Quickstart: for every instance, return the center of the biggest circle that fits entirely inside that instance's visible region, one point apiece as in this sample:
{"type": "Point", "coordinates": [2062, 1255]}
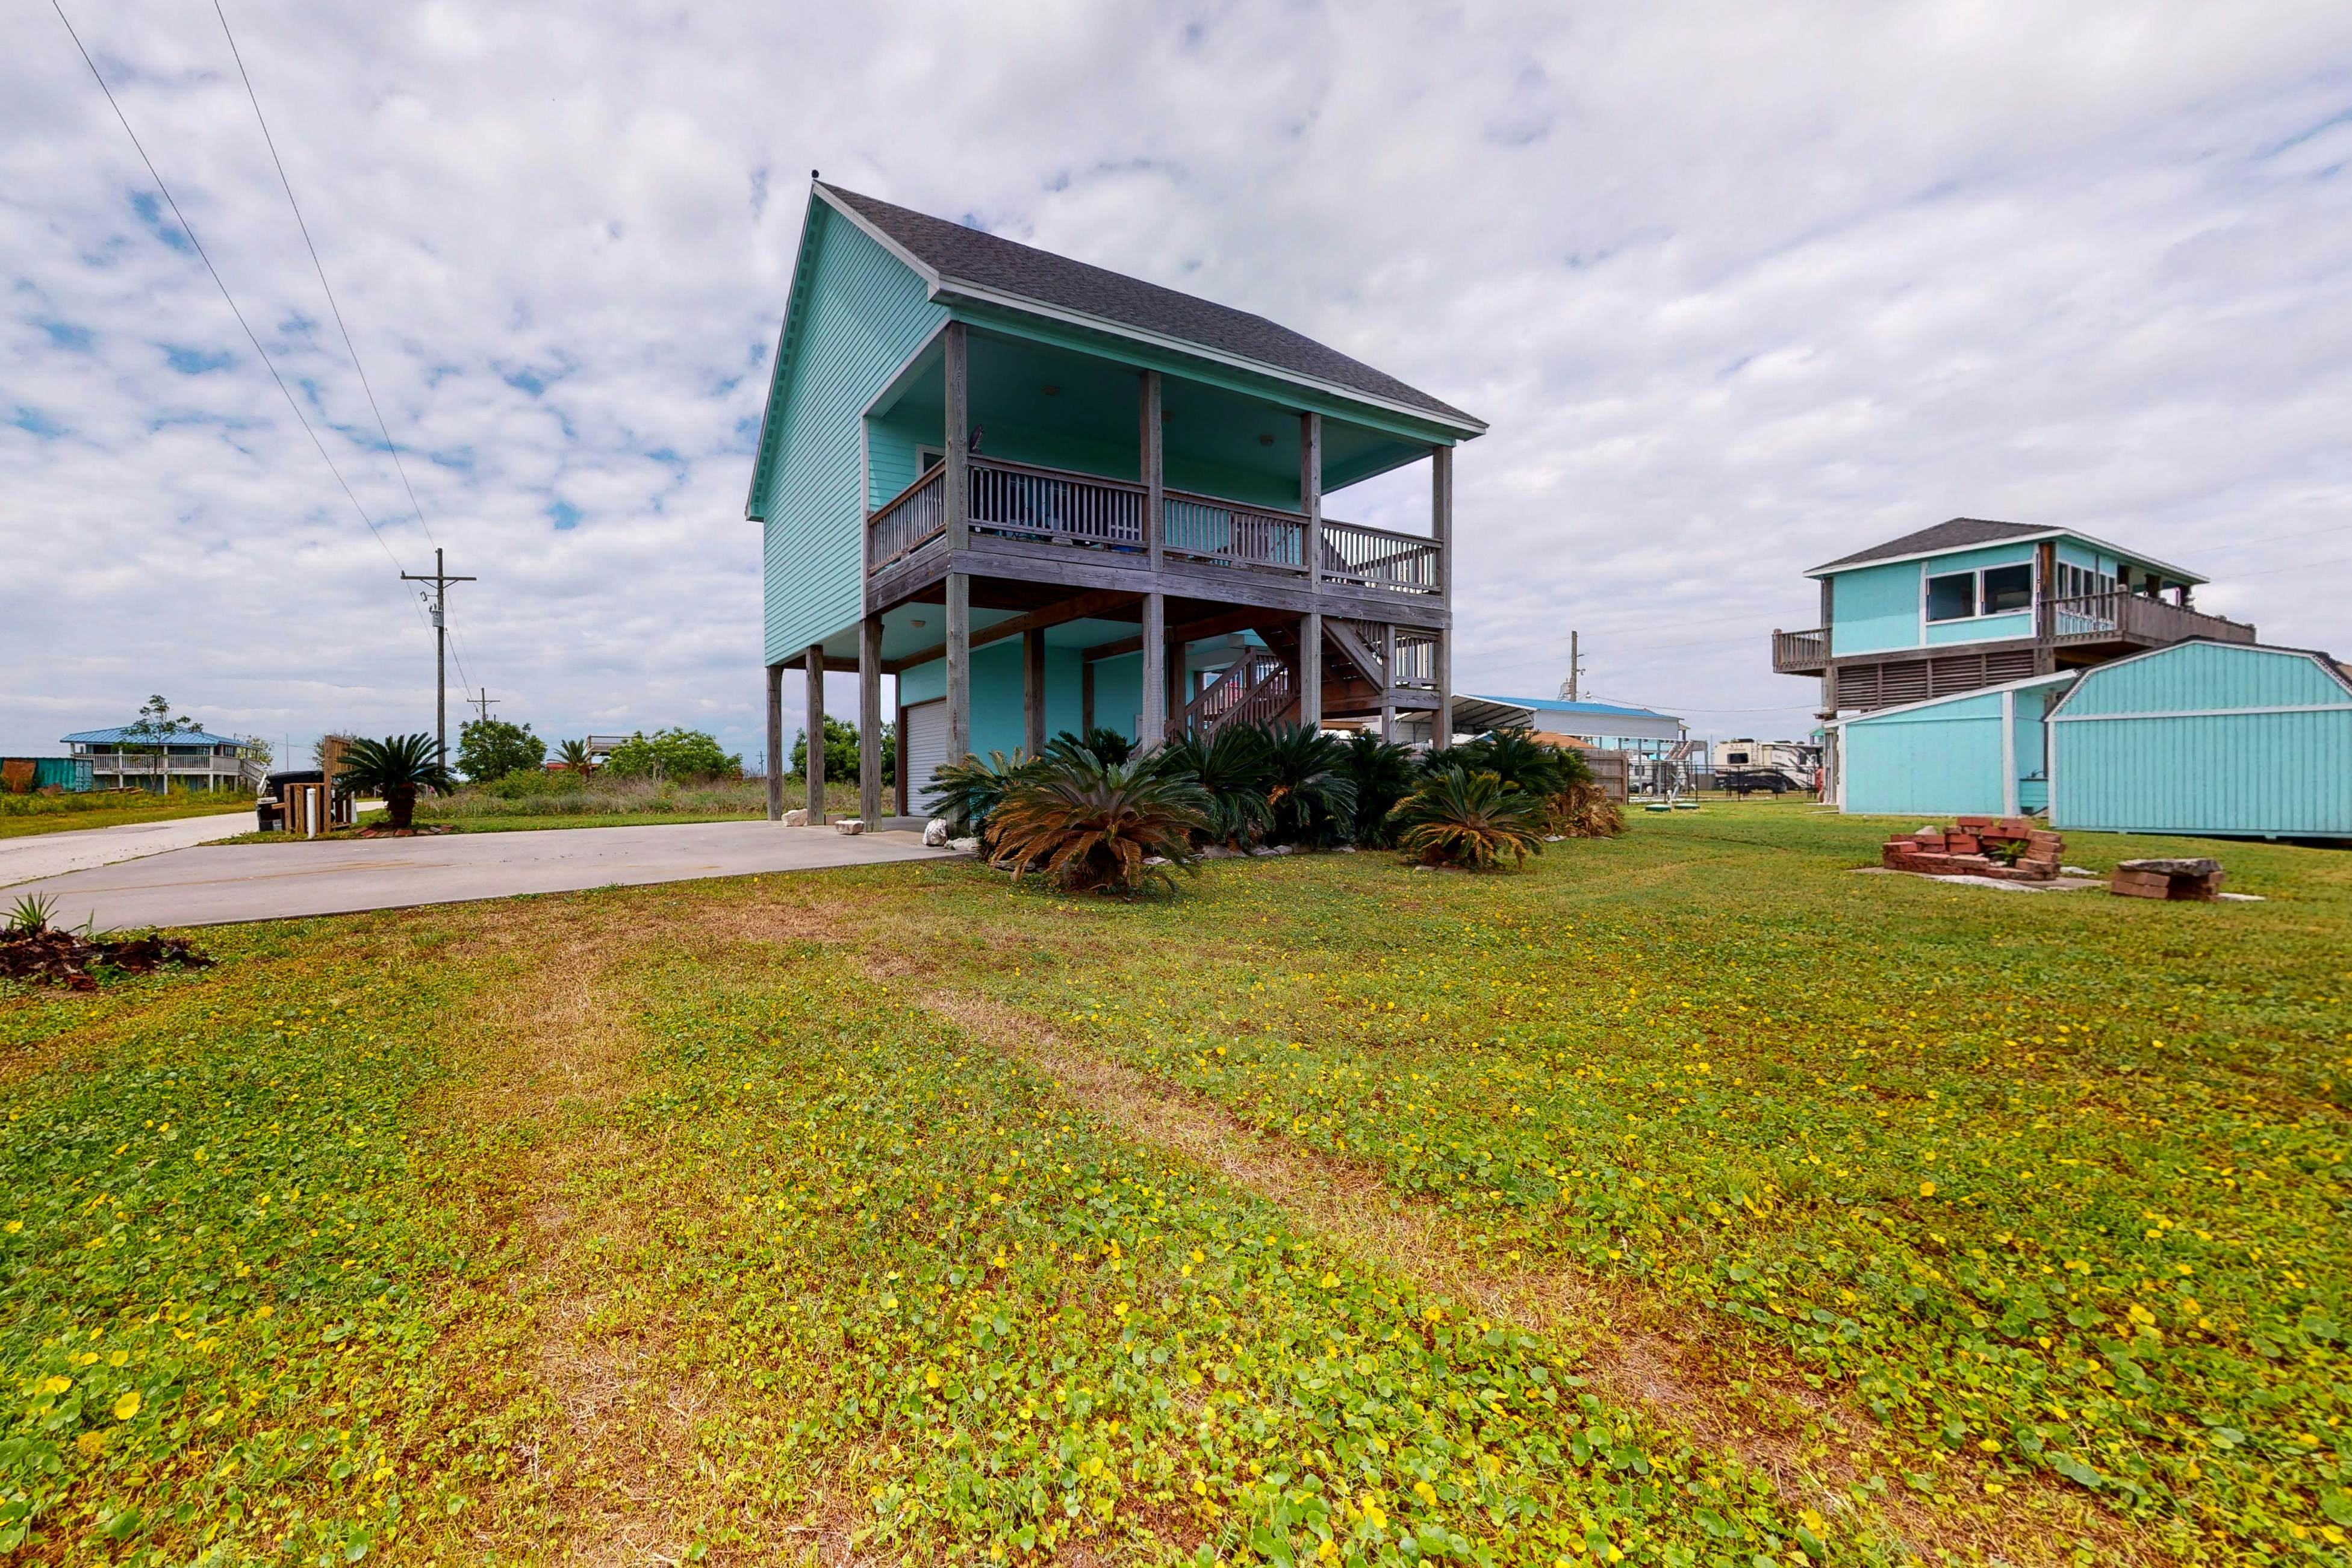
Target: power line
{"type": "Point", "coordinates": [251, 337]}
{"type": "Point", "coordinates": [334, 306]}
{"type": "Point", "coordinates": [319, 266]}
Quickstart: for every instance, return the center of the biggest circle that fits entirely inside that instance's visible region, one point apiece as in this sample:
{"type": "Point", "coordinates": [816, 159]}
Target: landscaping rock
{"type": "Point", "coordinates": [964, 845]}
{"type": "Point", "coordinates": [852, 825]}
{"type": "Point", "coordinates": [796, 817]}
{"type": "Point", "coordinates": [935, 834]}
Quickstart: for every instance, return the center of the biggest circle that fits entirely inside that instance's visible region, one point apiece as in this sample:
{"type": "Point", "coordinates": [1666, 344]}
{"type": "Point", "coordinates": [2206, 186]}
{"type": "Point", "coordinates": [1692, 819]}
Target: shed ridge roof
{"type": "Point", "coordinates": [955, 253]}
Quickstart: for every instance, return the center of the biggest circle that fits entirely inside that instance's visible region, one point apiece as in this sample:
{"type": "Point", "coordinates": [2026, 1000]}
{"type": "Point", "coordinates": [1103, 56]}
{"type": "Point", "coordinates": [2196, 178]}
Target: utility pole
{"type": "Point", "coordinates": [440, 581]}
{"type": "Point", "coordinates": [1575, 670]}
{"type": "Point", "coordinates": [485, 703]}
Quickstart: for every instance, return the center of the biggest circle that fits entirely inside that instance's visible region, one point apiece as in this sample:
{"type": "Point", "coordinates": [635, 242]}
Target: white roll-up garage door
{"type": "Point", "coordinates": [927, 751]}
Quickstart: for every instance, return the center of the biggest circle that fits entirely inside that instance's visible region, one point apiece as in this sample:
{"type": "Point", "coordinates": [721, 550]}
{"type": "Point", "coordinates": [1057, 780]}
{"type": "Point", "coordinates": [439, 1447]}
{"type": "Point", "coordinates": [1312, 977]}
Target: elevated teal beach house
{"type": "Point", "coordinates": [1044, 496]}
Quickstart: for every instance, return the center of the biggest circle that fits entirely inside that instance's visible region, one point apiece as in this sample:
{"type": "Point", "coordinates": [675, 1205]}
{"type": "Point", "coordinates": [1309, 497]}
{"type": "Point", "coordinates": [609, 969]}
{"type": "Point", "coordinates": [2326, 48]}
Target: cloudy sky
{"type": "Point", "coordinates": [1738, 287]}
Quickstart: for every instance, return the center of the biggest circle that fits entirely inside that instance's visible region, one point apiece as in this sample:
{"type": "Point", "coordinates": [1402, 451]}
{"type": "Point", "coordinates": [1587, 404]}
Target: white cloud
{"type": "Point", "coordinates": [1739, 289]}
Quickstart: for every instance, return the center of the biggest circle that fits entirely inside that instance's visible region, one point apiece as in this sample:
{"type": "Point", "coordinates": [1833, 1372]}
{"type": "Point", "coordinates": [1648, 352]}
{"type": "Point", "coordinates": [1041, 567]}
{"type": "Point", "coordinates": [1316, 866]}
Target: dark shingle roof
{"type": "Point", "coordinates": [1958, 533]}
{"type": "Point", "coordinates": [971, 256]}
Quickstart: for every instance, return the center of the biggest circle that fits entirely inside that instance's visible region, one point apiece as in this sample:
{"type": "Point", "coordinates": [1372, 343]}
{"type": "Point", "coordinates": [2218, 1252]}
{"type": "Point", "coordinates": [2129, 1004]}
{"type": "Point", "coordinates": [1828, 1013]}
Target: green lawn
{"type": "Point", "coordinates": [23, 816]}
{"type": "Point", "coordinates": [1687, 1199]}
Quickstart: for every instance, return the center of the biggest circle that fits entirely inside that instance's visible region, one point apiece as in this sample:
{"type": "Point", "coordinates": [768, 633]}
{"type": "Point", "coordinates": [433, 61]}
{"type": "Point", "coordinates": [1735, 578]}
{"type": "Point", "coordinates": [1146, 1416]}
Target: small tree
{"type": "Point", "coordinates": [841, 752]}
{"type": "Point", "coordinates": [151, 735]}
{"type": "Point", "coordinates": [680, 754]}
{"type": "Point", "coordinates": [575, 758]}
{"type": "Point", "coordinates": [491, 749]}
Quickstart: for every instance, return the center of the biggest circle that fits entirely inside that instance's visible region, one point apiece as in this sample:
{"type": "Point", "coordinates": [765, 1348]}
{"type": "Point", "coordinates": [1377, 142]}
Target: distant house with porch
{"type": "Point", "coordinates": [1044, 496]}
{"type": "Point", "coordinates": [187, 759]}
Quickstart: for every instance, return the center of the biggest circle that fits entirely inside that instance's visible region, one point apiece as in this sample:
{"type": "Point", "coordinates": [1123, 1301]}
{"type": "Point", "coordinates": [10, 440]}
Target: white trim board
{"type": "Point", "coordinates": [2205, 712]}
{"type": "Point", "coordinates": [2009, 753]}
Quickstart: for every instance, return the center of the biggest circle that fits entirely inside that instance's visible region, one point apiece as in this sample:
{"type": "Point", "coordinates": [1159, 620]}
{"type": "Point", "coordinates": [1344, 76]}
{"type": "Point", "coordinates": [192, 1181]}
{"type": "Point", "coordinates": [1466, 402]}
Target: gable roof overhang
{"type": "Point", "coordinates": [961, 264]}
{"type": "Point", "coordinates": [2328, 666]}
{"type": "Point", "coordinates": [1929, 542]}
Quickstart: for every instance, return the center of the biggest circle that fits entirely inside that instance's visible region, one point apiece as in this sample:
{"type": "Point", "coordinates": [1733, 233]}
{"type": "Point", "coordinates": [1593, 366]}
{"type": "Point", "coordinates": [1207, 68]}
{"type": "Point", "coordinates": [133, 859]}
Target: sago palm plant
{"type": "Point", "coordinates": [1091, 825]}
{"type": "Point", "coordinates": [968, 793]}
{"type": "Point", "coordinates": [1472, 820]}
{"type": "Point", "coordinates": [1106, 743]}
{"type": "Point", "coordinates": [1230, 767]}
{"type": "Point", "coordinates": [1382, 774]}
{"type": "Point", "coordinates": [1520, 761]}
{"type": "Point", "coordinates": [574, 754]}
{"type": "Point", "coordinates": [395, 769]}
{"type": "Point", "coordinates": [1309, 793]}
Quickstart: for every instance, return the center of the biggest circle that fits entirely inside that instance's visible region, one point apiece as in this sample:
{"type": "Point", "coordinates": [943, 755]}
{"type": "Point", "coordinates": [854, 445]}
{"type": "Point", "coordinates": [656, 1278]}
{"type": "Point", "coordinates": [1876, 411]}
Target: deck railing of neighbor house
{"type": "Point", "coordinates": [908, 520]}
{"type": "Point", "coordinates": [2121, 617]}
{"type": "Point", "coordinates": [1801, 653]}
{"type": "Point", "coordinates": [1019, 501]}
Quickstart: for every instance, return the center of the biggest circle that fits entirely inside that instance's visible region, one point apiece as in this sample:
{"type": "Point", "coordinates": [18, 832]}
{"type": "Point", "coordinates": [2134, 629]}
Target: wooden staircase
{"type": "Point", "coordinates": [1262, 685]}
{"type": "Point", "coordinates": [1259, 688]}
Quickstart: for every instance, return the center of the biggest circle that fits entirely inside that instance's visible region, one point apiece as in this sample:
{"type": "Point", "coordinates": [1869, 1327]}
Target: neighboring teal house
{"type": "Point", "coordinates": [1999, 669]}
{"type": "Point", "coordinates": [1971, 603]}
{"type": "Point", "coordinates": [1972, 606]}
{"type": "Point", "coordinates": [1044, 496]}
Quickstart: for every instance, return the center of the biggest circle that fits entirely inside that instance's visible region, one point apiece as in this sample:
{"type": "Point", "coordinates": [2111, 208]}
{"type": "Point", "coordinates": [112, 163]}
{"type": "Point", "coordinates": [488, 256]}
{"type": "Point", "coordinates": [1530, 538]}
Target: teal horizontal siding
{"type": "Point", "coordinates": [862, 312]}
{"type": "Point", "coordinates": [1874, 609]}
{"type": "Point", "coordinates": [1981, 629]}
{"type": "Point", "coordinates": [2150, 745]}
{"type": "Point", "coordinates": [1938, 762]}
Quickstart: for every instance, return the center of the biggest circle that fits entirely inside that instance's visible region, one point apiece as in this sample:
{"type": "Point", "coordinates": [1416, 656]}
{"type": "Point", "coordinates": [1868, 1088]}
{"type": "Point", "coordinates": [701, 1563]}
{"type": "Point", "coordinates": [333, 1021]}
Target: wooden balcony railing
{"type": "Point", "coordinates": [1016, 501]}
{"type": "Point", "coordinates": [1376, 558]}
{"type": "Point", "coordinates": [908, 520]}
{"type": "Point", "coordinates": [1021, 502]}
{"type": "Point", "coordinates": [1205, 529]}
{"type": "Point", "coordinates": [2125, 617]}
{"type": "Point", "coordinates": [1801, 653]}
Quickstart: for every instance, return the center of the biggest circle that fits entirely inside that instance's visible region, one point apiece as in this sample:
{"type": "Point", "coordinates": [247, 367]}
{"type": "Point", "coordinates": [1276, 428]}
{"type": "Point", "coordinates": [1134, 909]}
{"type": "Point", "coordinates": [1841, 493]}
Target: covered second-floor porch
{"type": "Point", "coordinates": [1094, 472]}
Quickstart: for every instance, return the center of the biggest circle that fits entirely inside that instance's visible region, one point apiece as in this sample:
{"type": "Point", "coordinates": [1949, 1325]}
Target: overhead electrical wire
{"type": "Point", "coordinates": [198, 245]}
{"type": "Point", "coordinates": [333, 305]}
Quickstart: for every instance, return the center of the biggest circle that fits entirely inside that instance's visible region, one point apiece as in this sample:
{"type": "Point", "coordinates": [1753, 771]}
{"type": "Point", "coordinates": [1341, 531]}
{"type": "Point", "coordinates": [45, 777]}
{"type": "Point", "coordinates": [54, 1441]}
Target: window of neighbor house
{"type": "Point", "coordinates": [1952, 598]}
{"type": "Point", "coordinates": [2006, 589]}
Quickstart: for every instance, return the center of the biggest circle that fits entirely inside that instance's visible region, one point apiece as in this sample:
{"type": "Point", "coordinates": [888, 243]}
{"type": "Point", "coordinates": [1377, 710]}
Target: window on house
{"type": "Point", "coordinates": [2008, 588]}
{"type": "Point", "coordinates": [928, 458]}
{"type": "Point", "coordinates": [1952, 598]}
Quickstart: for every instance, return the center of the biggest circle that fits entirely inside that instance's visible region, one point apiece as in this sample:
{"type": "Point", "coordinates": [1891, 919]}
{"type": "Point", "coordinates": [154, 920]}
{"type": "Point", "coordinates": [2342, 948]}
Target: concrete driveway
{"type": "Point", "coordinates": [222, 884]}
{"type": "Point", "coordinates": [79, 848]}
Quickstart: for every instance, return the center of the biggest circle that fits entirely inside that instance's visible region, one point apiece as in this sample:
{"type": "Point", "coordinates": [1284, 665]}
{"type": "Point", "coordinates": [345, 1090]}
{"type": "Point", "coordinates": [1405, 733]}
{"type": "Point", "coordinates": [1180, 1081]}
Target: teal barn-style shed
{"type": "Point", "coordinates": [2207, 739]}
{"type": "Point", "coordinates": [1044, 496]}
{"type": "Point", "coordinates": [2221, 740]}
{"type": "Point", "coordinates": [1979, 753]}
